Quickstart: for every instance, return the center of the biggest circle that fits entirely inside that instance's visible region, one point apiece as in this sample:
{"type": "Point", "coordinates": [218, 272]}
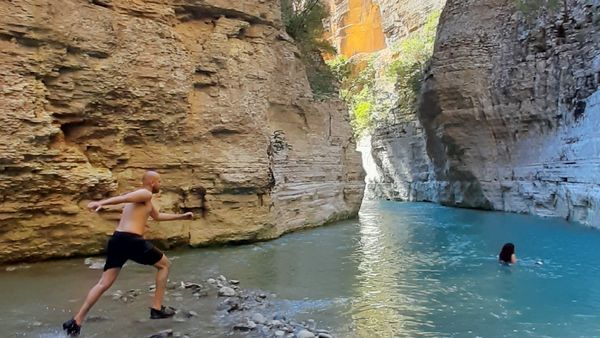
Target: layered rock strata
{"type": "Point", "coordinates": [511, 107]}
{"type": "Point", "coordinates": [210, 93]}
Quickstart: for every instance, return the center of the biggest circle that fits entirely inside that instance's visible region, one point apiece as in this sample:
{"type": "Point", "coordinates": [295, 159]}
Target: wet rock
{"type": "Point", "coordinates": [245, 327]}
{"type": "Point", "coordinates": [231, 305]}
{"type": "Point", "coordinates": [191, 314]}
{"type": "Point", "coordinates": [211, 281]}
{"type": "Point", "coordinates": [305, 334]}
{"type": "Point", "coordinates": [258, 318]}
{"type": "Point", "coordinates": [311, 324]}
{"type": "Point", "coordinates": [234, 282]}
{"type": "Point", "coordinates": [97, 266]}
{"type": "Point", "coordinates": [200, 294]}
{"type": "Point", "coordinates": [222, 278]}
{"type": "Point", "coordinates": [279, 317]}
{"type": "Point", "coordinates": [325, 335]}
{"type": "Point", "coordinates": [97, 318]}
{"type": "Point", "coordinates": [188, 285]}
{"type": "Point", "coordinates": [163, 334]}
{"type": "Point", "coordinates": [226, 292]}
{"type": "Point", "coordinates": [94, 263]}
{"type": "Point", "coordinates": [279, 333]}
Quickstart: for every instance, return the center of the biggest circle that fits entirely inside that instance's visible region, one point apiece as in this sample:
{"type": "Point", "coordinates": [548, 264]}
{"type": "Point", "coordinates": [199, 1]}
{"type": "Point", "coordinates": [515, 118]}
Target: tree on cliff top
{"type": "Point", "coordinates": [303, 21]}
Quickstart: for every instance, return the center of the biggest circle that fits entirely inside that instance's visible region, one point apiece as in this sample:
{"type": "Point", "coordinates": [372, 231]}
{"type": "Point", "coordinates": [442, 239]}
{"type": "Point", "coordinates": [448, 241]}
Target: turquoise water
{"type": "Point", "coordinates": [400, 270]}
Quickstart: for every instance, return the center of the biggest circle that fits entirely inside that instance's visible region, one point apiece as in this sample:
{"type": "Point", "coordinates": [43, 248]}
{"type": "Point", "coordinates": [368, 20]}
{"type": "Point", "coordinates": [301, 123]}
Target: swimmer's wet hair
{"type": "Point", "coordinates": [506, 253]}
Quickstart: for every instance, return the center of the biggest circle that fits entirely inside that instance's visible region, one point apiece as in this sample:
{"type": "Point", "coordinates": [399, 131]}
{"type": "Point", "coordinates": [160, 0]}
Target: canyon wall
{"type": "Point", "coordinates": [401, 168]}
{"type": "Point", "coordinates": [508, 112]}
{"type": "Point", "coordinates": [210, 93]}
{"type": "Point", "coordinates": [511, 107]}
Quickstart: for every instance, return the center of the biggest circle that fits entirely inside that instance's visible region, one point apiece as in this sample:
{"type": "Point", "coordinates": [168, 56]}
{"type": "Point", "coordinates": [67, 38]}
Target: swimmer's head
{"type": "Point", "coordinates": [506, 253]}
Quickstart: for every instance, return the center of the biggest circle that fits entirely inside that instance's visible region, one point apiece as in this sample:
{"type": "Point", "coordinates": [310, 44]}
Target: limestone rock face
{"type": "Point", "coordinates": [511, 108]}
{"type": "Point", "coordinates": [355, 26]}
{"type": "Point", "coordinates": [210, 93]}
{"type": "Point", "coordinates": [396, 149]}
{"type": "Point", "coordinates": [400, 18]}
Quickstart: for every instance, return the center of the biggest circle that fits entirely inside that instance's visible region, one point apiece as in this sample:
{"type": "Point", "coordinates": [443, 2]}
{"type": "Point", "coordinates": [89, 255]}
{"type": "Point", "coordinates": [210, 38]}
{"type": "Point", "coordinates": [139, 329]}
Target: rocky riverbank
{"type": "Point", "coordinates": [242, 312]}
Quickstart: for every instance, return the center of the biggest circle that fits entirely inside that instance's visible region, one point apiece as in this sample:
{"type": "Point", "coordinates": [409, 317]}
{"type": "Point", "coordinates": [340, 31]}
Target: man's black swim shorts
{"type": "Point", "coordinates": [125, 245]}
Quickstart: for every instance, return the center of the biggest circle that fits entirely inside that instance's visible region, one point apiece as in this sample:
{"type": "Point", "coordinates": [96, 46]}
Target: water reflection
{"type": "Point", "coordinates": [385, 304]}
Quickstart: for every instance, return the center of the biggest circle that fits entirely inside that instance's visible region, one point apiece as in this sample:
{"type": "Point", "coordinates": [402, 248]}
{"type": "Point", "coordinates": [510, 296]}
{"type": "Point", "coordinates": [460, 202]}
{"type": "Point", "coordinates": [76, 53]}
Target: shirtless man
{"type": "Point", "coordinates": [127, 242]}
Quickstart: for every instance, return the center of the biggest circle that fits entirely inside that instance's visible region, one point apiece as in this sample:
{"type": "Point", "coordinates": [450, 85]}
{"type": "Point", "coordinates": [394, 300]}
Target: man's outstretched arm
{"type": "Point", "coordinates": [160, 216]}
{"type": "Point", "coordinates": [138, 196]}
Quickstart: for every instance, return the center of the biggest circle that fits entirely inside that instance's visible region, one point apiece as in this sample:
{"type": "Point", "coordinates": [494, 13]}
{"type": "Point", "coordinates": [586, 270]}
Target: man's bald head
{"type": "Point", "coordinates": [151, 179]}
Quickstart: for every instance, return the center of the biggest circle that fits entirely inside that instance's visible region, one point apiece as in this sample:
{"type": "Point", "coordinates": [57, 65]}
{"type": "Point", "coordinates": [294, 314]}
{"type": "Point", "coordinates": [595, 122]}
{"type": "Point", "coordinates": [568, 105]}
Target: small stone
{"type": "Point", "coordinates": [222, 278]}
{"type": "Point", "coordinates": [211, 281]}
{"type": "Point", "coordinates": [311, 324]}
{"type": "Point", "coordinates": [279, 317]}
{"type": "Point", "coordinates": [279, 333]}
{"type": "Point", "coordinates": [192, 314]}
{"type": "Point", "coordinates": [226, 292]}
{"type": "Point", "coordinates": [275, 322]}
{"type": "Point", "coordinates": [97, 266]}
{"type": "Point", "coordinates": [325, 335]}
{"type": "Point", "coordinates": [97, 318]}
{"type": "Point", "coordinates": [258, 318]}
{"type": "Point", "coordinates": [163, 334]}
{"type": "Point", "coordinates": [245, 327]}
{"type": "Point", "coordinates": [36, 324]}
{"type": "Point", "coordinates": [234, 282]}
{"type": "Point", "coordinates": [179, 320]}
{"type": "Point", "coordinates": [305, 334]}
{"type": "Point", "coordinates": [192, 286]}
{"type": "Point", "coordinates": [11, 268]}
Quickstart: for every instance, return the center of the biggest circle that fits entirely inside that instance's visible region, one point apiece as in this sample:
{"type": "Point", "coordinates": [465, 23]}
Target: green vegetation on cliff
{"type": "Point", "coordinates": [402, 67]}
{"type": "Point", "coordinates": [303, 20]}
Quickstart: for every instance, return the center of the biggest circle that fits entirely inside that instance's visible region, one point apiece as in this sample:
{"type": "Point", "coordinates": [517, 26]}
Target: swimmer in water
{"type": "Point", "coordinates": [507, 254]}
